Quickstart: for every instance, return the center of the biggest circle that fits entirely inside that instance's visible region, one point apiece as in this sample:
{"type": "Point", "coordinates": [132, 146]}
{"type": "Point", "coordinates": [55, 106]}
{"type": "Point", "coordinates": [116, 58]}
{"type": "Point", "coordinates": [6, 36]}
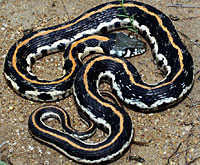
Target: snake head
{"type": "Point", "coordinates": [124, 45]}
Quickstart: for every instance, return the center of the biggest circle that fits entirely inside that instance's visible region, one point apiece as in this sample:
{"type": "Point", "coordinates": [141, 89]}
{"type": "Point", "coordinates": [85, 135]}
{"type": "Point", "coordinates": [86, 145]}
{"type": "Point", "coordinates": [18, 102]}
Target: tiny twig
{"type": "Point", "coordinates": [194, 104]}
{"type": "Point", "coordinates": [197, 72]}
{"type": "Point", "coordinates": [136, 158]}
{"type": "Point", "coordinates": [187, 142]}
{"type": "Point", "coordinates": [183, 6]}
{"type": "Point", "coordinates": [168, 160]}
{"type": "Point", "coordinates": [141, 143]}
{"type": "Point", "coordinates": [189, 18]}
{"type": "Point", "coordinates": [175, 18]}
{"type": "Point", "coordinates": [178, 154]}
{"type": "Point", "coordinates": [192, 161]}
{"type": "Point", "coordinates": [195, 43]}
{"type": "Point", "coordinates": [2, 144]}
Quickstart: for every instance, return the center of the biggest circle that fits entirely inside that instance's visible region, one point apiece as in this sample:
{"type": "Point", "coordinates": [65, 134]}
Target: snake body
{"type": "Point", "coordinates": [169, 54]}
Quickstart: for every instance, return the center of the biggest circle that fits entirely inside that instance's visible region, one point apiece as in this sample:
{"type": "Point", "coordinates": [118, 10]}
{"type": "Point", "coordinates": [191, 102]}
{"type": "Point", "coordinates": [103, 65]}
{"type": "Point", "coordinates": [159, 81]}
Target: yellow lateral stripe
{"type": "Point", "coordinates": [114, 98]}
{"type": "Point", "coordinates": [103, 103]}
{"type": "Point", "coordinates": [127, 71]}
{"type": "Point", "coordinates": [70, 57]}
{"type": "Point", "coordinates": [63, 138]}
{"type": "Point", "coordinates": [51, 133]}
{"type": "Point", "coordinates": [65, 116]}
{"type": "Point", "coordinates": [47, 32]}
{"type": "Point", "coordinates": [171, 41]}
{"type": "Point", "coordinates": [73, 61]}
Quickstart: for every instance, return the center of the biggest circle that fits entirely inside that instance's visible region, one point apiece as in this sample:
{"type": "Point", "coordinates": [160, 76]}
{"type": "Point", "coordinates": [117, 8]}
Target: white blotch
{"type": "Point", "coordinates": [128, 54]}
{"type": "Point", "coordinates": [14, 85]}
{"type": "Point", "coordinates": [87, 51]}
{"type": "Point", "coordinates": [63, 41]}
{"type": "Point", "coordinates": [40, 49]}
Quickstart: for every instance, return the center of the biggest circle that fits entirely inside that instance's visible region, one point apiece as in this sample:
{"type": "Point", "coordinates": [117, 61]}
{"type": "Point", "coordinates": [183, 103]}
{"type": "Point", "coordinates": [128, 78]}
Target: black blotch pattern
{"type": "Point", "coordinates": [117, 25]}
{"type": "Point", "coordinates": [129, 24]}
{"type": "Point", "coordinates": [32, 60]}
{"type": "Point", "coordinates": [92, 52]}
{"type": "Point", "coordinates": [44, 96]}
{"type": "Point", "coordinates": [144, 34]}
{"type": "Point", "coordinates": [61, 46]}
{"type": "Point", "coordinates": [23, 63]}
{"type": "Point", "coordinates": [25, 88]}
{"type": "Point", "coordinates": [150, 44]}
{"type": "Point", "coordinates": [44, 52]}
{"type": "Point", "coordinates": [67, 66]}
{"type": "Point", "coordinates": [104, 30]}
{"type": "Point", "coordinates": [81, 47]}
{"type": "Point", "coordinates": [160, 63]}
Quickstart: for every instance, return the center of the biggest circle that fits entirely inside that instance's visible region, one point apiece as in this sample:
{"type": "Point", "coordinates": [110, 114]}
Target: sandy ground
{"type": "Point", "coordinates": [173, 135]}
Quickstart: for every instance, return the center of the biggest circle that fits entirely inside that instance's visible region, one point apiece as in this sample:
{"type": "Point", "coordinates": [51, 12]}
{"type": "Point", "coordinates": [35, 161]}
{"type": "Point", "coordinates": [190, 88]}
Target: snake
{"type": "Point", "coordinates": [87, 34]}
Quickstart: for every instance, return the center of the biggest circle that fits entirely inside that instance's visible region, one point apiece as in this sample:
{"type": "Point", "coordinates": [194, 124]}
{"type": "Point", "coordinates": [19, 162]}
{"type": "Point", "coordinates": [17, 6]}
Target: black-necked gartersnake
{"type": "Point", "coordinates": [169, 53]}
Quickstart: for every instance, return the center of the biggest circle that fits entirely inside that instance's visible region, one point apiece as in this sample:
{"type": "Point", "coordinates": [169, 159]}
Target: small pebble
{"type": "Point", "coordinates": [11, 107]}
{"type": "Point", "coordinates": [31, 148]}
{"type": "Point", "coordinates": [21, 119]}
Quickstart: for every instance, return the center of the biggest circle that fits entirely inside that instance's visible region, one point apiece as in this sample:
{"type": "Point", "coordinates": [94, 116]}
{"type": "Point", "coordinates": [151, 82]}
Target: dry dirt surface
{"type": "Point", "coordinates": [170, 137]}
